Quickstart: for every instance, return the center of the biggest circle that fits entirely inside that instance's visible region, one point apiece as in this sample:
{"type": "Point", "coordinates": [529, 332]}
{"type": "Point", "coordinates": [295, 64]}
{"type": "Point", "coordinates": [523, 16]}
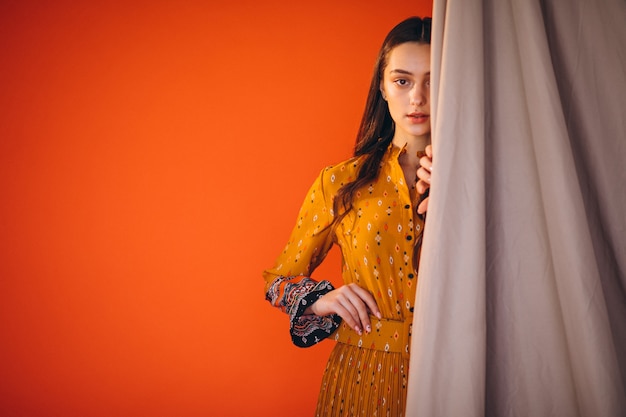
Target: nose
{"type": "Point", "coordinates": [418, 95]}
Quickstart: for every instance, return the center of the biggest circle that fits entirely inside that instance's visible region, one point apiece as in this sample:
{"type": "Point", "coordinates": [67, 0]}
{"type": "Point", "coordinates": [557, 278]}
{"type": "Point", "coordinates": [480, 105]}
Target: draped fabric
{"type": "Point", "coordinates": [521, 304]}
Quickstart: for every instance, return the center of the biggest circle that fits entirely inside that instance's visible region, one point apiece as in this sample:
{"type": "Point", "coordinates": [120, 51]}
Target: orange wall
{"type": "Point", "coordinates": [152, 159]}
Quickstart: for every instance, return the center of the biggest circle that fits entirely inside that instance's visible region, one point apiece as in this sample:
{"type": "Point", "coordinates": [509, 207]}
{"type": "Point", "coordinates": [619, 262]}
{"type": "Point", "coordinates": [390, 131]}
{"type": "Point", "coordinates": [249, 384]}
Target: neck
{"type": "Point", "coordinates": [413, 145]}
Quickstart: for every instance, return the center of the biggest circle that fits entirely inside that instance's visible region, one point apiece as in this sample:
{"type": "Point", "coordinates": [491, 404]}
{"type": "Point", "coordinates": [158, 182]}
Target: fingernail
{"type": "Point", "coordinates": [368, 329]}
{"type": "Point", "coordinates": [378, 315]}
{"type": "Point", "coordinates": [356, 329]}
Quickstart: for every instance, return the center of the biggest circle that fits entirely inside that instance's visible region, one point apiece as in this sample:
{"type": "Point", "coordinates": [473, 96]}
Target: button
{"type": "Point", "coordinates": [407, 206]}
{"type": "Point", "coordinates": [409, 237]}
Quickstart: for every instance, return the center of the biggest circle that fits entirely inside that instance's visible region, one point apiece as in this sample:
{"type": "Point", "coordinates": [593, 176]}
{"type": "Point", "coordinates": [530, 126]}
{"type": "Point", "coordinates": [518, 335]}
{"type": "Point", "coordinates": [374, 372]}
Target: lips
{"type": "Point", "coordinates": [418, 117]}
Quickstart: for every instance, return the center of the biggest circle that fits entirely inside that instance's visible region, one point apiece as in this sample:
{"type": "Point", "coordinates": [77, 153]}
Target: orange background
{"type": "Point", "coordinates": [152, 160]}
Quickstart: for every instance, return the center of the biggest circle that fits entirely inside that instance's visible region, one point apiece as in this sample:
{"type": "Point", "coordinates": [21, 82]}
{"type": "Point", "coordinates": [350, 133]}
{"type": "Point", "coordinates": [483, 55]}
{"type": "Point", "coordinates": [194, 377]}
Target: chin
{"type": "Point", "coordinates": [419, 132]}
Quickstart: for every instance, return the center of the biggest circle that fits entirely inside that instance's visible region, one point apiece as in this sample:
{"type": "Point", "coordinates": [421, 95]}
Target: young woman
{"type": "Point", "coordinates": [368, 206]}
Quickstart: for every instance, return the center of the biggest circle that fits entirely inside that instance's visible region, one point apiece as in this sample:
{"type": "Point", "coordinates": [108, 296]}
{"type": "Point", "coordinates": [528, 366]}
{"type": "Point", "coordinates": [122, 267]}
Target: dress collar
{"type": "Point", "coordinates": [394, 151]}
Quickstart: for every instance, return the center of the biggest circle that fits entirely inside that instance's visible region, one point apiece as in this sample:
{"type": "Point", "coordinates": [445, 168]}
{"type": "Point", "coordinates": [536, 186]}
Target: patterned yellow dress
{"type": "Point", "coordinates": [379, 241]}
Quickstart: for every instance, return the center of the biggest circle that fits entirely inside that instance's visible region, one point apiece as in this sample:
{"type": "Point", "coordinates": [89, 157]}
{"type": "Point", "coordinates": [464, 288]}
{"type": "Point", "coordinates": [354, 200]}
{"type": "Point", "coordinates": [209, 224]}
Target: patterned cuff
{"type": "Point", "coordinates": [308, 330]}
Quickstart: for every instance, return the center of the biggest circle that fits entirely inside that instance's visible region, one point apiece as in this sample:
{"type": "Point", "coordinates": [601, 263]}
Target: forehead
{"type": "Point", "coordinates": [410, 56]}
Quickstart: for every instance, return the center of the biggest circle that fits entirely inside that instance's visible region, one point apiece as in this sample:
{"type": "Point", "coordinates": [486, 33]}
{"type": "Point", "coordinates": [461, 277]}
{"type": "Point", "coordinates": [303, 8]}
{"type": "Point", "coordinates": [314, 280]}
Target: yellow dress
{"type": "Point", "coordinates": [379, 241]}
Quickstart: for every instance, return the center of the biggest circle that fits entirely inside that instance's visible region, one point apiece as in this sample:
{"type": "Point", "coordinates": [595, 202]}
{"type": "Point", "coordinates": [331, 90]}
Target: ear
{"type": "Point", "coordinates": [382, 91]}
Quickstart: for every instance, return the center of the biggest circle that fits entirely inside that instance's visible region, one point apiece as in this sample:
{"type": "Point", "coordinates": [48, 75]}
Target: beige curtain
{"type": "Point", "coordinates": [521, 305]}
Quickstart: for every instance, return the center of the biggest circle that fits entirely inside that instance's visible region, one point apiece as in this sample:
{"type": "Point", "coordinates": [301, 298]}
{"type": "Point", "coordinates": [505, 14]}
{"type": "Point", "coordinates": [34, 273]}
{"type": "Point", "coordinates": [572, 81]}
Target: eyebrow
{"type": "Point", "coordinates": [401, 71]}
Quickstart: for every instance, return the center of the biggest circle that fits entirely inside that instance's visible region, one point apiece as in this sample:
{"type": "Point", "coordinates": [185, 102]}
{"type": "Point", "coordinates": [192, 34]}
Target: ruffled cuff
{"type": "Point", "coordinates": [308, 330]}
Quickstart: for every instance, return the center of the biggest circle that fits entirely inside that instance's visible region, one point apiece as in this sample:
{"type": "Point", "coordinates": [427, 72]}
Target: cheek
{"type": "Point", "coordinates": [396, 101]}
{"type": "Point", "coordinates": [395, 110]}
{"type": "Point", "coordinates": [399, 96]}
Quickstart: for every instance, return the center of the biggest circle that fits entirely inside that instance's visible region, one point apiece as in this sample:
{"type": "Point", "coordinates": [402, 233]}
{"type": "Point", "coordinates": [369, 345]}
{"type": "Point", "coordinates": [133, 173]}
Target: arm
{"type": "Point", "coordinates": [288, 284]}
{"type": "Point", "coordinates": [315, 308]}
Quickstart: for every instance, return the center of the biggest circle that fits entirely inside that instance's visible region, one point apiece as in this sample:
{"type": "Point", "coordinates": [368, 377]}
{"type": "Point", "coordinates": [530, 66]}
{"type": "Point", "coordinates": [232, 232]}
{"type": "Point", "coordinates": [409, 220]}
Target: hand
{"type": "Point", "coordinates": [423, 173]}
{"type": "Point", "coordinates": [351, 302]}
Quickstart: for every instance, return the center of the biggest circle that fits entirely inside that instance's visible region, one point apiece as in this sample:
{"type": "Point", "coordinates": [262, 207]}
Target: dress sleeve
{"type": "Point", "coordinates": [288, 285]}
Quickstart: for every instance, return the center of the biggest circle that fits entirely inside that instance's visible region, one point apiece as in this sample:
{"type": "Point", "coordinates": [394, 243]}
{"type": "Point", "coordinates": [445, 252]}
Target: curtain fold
{"type": "Point", "coordinates": [521, 304]}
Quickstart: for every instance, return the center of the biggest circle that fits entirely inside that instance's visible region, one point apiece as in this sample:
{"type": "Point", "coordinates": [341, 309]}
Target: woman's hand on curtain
{"type": "Point", "coordinates": [352, 303]}
{"type": "Point", "coordinates": [423, 174]}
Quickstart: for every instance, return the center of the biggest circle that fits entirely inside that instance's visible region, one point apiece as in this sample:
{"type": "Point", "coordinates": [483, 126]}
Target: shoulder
{"type": "Point", "coordinates": [337, 175]}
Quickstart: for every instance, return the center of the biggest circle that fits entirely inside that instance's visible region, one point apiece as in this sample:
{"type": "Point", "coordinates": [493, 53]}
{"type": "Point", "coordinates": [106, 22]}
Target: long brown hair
{"type": "Point", "coordinates": [377, 126]}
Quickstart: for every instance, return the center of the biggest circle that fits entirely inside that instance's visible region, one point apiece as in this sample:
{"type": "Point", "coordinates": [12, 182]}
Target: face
{"type": "Point", "coordinates": [406, 88]}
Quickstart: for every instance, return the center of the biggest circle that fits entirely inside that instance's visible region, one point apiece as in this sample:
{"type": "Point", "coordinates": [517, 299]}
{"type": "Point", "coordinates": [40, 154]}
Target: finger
{"type": "Point", "coordinates": [348, 317]}
{"type": "Point", "coordinates": [353, 304]}
{"type": "Point", "coordinates": [423, 206]}
{"type": "Point", "coordinates": [424, 175]}
{"type": "Point", "coordinates": [421, 187]}
{"type": "Point", "coordinates": [369, 304]}
{"type": "Point", "coordinates": [429, 151]}
{"type": "Point", "coordinates": [426, 162]}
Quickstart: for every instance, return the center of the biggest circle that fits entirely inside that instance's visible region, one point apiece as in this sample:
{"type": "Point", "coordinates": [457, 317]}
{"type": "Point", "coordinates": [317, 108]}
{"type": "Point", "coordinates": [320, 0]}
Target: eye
{"type": "Point", "coordinates": [402, 82]}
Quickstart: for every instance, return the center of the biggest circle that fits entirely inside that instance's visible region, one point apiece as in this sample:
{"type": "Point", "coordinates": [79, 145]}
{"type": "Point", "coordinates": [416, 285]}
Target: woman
{"type": "Point", "coordinates": [367, 206]}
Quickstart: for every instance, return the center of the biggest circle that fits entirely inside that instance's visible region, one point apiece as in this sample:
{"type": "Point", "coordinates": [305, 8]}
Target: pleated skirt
{"type": "Point", "coordinates": [363, 382]}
